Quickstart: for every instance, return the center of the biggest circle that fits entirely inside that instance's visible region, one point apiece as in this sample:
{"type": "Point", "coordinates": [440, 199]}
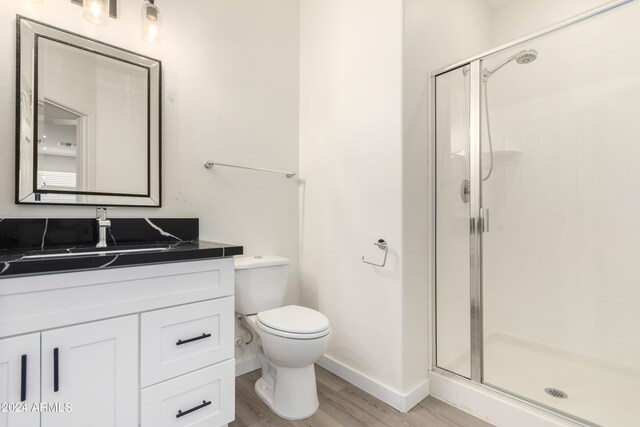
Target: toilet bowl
{"type": "Point", "coordinates": [287, 358]}
{"type": "Point", "coordinates": [290, 339]}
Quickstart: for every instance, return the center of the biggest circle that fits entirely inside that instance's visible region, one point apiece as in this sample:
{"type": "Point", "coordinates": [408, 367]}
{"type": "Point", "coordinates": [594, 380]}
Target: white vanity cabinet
{"type": "Point", "coordinates": [145, 346]}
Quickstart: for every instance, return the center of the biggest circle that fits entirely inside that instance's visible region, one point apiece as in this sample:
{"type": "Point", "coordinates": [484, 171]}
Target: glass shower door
{"type": "Point", "coordinates": [452, 222]}
{"type": "Point", "coordinates": [561, 261]}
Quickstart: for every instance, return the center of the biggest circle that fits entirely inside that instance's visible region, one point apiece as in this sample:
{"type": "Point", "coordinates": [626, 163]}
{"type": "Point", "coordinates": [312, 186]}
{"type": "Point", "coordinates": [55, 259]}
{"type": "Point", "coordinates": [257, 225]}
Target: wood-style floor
{"type": "Point", "coordinates": [342, 404]}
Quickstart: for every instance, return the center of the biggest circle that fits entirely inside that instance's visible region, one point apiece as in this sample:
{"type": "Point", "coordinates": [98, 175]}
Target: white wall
{"type": "Point", "coordinates": [350, 164]}
{"type": "Point", "coordinates": [230, 93]}
{"type": "Point", "coordinates": [364, 163]}
{"type": "Point", "coordinates": [513, 19]}
{"type": "Point", "coordinates": [55, 163]}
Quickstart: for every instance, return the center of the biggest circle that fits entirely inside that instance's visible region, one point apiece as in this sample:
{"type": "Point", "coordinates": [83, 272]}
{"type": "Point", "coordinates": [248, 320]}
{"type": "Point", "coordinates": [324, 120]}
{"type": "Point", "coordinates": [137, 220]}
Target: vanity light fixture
{"type": "Point", "coordinates": [150, 21]}
{"type": "Point", "coordinates": [101, 8]}
{"type": "Point", "coordinates": [96, 11]}
{"type": "Point", "coordinates": [99, 11]}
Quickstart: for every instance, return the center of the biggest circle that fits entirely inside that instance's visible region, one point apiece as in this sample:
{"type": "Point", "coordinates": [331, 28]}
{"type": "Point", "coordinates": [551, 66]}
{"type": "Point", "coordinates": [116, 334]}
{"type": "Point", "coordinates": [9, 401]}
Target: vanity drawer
{"type": "Point", "coordinates": [205, 398]}
{"type": "Point", "coordinates": [182, 339]}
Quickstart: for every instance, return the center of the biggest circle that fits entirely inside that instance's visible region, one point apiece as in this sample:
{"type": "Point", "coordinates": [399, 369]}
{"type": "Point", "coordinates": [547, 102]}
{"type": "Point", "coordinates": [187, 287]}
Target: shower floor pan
{"type": "Point", "coordinates": [599, 392]}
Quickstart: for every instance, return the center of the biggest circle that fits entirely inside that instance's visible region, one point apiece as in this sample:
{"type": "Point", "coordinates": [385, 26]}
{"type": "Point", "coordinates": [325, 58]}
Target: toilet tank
{"type": "Point", "coordinates": [261, 283]}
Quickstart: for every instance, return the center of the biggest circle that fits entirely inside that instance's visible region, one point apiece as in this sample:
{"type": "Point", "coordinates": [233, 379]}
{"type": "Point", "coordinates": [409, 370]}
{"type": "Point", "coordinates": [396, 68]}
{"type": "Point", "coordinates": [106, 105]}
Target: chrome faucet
{"type": "Point", "coordinates": [103, 224]}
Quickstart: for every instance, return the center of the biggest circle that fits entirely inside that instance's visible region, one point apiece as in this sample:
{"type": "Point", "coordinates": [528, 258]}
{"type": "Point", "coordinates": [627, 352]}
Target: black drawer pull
{"type": "Point", "coordinates": [195, 408]}
{"type": "Point", "coordinates": [56, 374]}
{"type": "Point", "coordinates": [23, 379]}
{"type": "Point", "coordinates": [201, 337]}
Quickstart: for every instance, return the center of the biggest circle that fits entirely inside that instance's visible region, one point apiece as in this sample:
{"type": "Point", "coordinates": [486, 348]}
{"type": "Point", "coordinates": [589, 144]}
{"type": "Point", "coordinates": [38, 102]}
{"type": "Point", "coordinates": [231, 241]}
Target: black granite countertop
{"type": "Point", "coordinates": [30, 262]}
{"type": "Point", "coordinates": [42, 246]}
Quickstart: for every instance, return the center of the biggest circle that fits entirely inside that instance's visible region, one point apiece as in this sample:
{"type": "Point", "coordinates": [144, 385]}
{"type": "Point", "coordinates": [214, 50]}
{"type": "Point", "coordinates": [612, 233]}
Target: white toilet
{"type": "Point", "coordinates": [291, 338]}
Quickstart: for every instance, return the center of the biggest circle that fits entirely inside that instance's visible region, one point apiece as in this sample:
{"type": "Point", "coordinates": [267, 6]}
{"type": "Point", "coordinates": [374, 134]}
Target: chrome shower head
{"type": "Point", "coordinates": [526, 56]}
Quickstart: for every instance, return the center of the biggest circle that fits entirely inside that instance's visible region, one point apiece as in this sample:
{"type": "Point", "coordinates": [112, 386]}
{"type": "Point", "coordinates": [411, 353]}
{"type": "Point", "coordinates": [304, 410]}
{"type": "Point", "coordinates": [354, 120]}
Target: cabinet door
{"type": "Point", "coordinates": [20, 381]}
{"type": "Point", "coordinates": [94, 368]}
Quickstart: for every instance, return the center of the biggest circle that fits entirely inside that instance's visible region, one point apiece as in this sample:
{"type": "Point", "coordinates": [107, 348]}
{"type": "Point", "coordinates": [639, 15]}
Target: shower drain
{"type": "Point", "coordinates": [554, 392]}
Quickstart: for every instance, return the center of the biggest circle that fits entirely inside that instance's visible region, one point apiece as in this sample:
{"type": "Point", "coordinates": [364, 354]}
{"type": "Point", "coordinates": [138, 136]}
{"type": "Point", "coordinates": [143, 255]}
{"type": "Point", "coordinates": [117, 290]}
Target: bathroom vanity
{"type": "Point", "coordinates": [135, 335]}
{"type": "Point", "coordinates": [105, 322]}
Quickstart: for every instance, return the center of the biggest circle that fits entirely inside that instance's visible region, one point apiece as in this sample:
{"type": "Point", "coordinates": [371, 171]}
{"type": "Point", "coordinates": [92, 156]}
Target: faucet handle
{"type": "Point", "coordinates": [101, 214]}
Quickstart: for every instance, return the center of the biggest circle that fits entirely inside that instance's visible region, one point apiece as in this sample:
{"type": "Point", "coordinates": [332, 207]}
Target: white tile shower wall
{"type": "Point", "coordinates": [230, 94]}
{"type": "Point", "coordinates": [560, 264]}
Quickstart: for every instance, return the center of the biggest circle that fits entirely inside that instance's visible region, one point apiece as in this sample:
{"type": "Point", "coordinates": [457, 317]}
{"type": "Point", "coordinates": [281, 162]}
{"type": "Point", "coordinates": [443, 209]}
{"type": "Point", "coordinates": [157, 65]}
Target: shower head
{"type": "Point", "coordinates": [526, 56]}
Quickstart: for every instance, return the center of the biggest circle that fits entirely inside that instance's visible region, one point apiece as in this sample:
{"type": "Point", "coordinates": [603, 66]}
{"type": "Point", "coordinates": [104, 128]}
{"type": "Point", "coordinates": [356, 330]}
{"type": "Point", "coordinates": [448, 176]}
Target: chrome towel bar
{"type": "Point", "coordinates": [210, 163]}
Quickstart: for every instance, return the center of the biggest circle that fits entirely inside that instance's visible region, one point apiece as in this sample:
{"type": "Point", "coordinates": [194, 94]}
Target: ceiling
{"type": "Point", "coordinates": [495, 4]}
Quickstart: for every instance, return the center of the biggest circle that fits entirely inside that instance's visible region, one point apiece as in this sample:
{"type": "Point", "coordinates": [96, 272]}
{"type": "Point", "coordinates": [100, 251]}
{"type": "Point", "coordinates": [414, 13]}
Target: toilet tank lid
{"type": "Point", "coordinates": [242, 262]}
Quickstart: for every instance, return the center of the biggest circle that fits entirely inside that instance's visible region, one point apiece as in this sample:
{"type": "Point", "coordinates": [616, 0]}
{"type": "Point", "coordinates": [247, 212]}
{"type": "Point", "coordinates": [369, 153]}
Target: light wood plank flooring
{"type": "Point", "coordinates": [342, 404]}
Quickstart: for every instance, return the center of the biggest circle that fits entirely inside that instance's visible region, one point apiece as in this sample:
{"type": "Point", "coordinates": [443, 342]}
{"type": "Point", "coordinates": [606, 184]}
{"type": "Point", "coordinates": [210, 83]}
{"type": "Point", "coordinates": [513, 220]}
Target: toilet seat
{"type": "Point", "coordinates": [294, 322]}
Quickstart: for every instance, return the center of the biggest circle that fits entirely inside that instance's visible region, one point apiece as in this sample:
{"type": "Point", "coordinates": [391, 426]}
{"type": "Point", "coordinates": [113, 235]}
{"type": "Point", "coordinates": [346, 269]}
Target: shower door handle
{"type": "Point", "coordinates": [484, 220]}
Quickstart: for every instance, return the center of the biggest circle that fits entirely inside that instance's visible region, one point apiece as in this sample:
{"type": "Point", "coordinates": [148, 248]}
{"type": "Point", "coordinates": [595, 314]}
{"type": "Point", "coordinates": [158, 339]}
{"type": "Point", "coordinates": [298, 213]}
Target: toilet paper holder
{"type": "Point", "coordinates": [385, 247]}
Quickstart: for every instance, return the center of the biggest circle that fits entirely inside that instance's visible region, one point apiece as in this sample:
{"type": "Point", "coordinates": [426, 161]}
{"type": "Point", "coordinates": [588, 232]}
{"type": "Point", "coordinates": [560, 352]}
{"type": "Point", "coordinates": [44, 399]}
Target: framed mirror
{"type": "Point", "coordinates": [88, 121]}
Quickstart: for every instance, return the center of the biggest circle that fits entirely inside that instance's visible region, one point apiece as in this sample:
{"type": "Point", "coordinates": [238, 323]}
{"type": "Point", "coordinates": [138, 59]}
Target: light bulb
{"type": "Point", "coordinates": [150, 22]}
{"type": "Point", "coordinates": [35, 1]}
{"type": "Point", "coordinates": [96, 11]}
{"type": "Point", "coordinates": [152, 33]}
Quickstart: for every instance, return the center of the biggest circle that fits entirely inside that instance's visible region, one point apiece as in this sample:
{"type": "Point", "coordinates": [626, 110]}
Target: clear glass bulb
{"type": "Point", "coordinates": [96, 11]}
{"type": "Point", "coordinates": [150, 23]}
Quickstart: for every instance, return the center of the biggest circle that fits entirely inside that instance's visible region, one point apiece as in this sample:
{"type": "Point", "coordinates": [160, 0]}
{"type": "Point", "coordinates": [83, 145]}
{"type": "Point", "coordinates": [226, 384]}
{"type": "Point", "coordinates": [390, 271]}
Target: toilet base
{"type": "Point", "coordinates": [293, 395]}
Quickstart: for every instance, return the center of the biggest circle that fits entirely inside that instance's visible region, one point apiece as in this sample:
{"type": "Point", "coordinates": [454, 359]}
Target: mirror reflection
{"type": "Point", "coordinates": [92, 116]}
{"type": "Point", "coordinates": [96, 124]}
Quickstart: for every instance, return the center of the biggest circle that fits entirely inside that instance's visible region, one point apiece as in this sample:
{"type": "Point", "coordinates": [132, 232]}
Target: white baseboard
{"type": "Point", "coordinates": [490, 405]}
{"type": "Point", "coordinates": [245, 365]}
{"type": "Point", "coordinates": [417, 395]}
{"type": "Point", "coordinates": [403, 402]}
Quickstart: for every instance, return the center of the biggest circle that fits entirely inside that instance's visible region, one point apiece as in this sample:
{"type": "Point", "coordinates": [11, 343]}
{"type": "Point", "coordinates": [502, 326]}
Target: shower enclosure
{"type": "Point", "coordinates": [537, 219]}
